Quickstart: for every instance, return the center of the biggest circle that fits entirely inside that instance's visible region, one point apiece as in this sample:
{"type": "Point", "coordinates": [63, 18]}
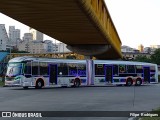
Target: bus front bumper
{"type": "Point", "coordinates": [12, 83]}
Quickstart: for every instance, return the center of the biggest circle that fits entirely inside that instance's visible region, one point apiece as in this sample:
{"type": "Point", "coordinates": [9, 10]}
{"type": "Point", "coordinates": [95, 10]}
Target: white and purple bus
{"type": "Point", "coordinates": [44, 72]}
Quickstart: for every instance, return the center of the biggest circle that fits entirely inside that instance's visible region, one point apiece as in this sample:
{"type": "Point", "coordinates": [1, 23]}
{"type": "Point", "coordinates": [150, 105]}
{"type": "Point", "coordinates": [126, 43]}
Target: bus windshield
{"type": "Point", "coordinates": [14, 69]}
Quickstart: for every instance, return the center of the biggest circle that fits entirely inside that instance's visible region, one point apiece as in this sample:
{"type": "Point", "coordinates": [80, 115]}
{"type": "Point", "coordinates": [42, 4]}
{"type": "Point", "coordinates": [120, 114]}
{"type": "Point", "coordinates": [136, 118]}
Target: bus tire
{"type": "Point", "coordinates": [138, 82]}
{"type": "Point", "coordinates": [25, 87]}
{"type": "Point", "coordinates": [39, 84]}
{"type": "Point", "coordinates": [129, 82]}
{"type": "Point", "coordinates": [77, 82]}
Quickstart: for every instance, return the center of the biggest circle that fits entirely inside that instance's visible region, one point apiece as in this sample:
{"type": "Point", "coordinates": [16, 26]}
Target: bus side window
{"type": "Point", "coordinates": [152, 68]}
{"type": "Point", "coordinates": [139, 69]}
{"type": "Point", "coordinates": [158, 68]}
{"type": "Point", "coordinates": [122, 68]}
{"type": "Point", "coordinates": [35, 68]}
{"type": "Point", "coordinates": [130, 68]}
{"type": "Point", "coordinates": [81, 69]}
{"type": "Point", "coordinates": [43, 67]}
{"type": "Point", "coordinates": [72, 69]}
{"type": "Point", "coordinates": [62, 69]}
{"type": "Point", "coordinates": [99, 69]}
{"type": "Point", "coordinates": [152, 75]}
{"type": "Point", "coordinates": [115, 70]}
{"type": "Point", "coordinates": [27, 68]}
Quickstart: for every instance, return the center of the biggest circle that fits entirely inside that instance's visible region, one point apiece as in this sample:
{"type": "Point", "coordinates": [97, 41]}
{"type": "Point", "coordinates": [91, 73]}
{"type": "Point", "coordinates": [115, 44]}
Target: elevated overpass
{"type": "Point", "coordinates": [84, 25]}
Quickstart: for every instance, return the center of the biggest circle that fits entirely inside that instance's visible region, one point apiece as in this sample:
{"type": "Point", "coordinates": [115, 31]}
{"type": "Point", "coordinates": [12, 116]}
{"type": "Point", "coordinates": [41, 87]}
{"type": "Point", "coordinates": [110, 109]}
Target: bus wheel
{"type": "Point", "coordinates": [25, 87]}
{"type": "Point", "coordinates": [77, 82]}
{"type": "Point", "coordinates": [39, 84]}
{"type": "Point", "coordinates": [138, 81]}
{"type": "Point", "coordinates": [129, 82]}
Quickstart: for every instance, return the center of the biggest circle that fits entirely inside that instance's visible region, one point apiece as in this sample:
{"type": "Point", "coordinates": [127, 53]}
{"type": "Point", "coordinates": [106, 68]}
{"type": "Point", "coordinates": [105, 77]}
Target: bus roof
{"type": "Point", "coordinates": [30, 58]}
{"type": "Point", "coordinates": [121, 62]}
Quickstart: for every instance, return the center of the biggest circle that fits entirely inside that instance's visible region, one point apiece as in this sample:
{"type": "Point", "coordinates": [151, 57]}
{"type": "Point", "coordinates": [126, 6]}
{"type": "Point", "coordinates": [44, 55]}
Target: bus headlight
{"type": "Point", "coordinates": [17, 79]}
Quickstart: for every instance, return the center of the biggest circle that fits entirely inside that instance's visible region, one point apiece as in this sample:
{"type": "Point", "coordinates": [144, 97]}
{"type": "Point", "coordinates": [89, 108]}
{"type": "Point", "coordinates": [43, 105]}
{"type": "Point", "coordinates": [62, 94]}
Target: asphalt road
{"type": "Point", "coordinates": [80, 99]}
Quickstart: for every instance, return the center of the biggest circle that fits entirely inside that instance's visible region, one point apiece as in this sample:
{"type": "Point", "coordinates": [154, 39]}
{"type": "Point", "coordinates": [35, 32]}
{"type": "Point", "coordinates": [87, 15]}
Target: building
{"type": "Point", "coordinates": [133, 55]}
{"type": "Point", "coordinates": [14, 35]}
{"type": "Point", "coordinates": [33, 42]}
{"type": "Point", "coordinates": [36, 34]}
{"type": "Point", "coordinates": [3, 37]}
{"type": "Point", "coordinates": [125, 48]}
{"type": "Point", "coordinates": [56, 48]}
{"type": "Point", "coordinates": [23, 46]}
{"type": "Point", "coordinates": [50, 46]}
{"type": "Point", "coordinates": [27, 37]}
{"type": "Point", "coordinates": [35, 46]}
{"type": "Point", "coordinates": [62, 48]}
{"type": "Point", "coordinates": [141, 48]}
{"type": "Point", "coordinates": [150, 49]}
{"type": "Point", "coordinates": [155, 46]}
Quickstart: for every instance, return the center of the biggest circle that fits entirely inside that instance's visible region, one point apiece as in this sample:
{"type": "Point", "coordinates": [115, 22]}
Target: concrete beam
{"type": "Point", "coordinates": [89, 50]}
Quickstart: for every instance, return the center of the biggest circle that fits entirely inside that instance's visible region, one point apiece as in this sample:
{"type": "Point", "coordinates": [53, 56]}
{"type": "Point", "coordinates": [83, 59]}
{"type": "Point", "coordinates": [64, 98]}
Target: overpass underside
{"type": "Point", "coordinates": [84, 25]}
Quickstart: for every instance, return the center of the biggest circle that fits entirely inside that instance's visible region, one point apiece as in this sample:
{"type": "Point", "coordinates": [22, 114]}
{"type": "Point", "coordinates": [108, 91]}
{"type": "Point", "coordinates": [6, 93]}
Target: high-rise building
{"type": "Point", "coordinates": [3, 37]}
{"type": "Point", "coordinates": [35, 46]}
{"type": "Point", "coordinates": [141, 48]}
{"type": "Point", "coordinates": [36, 34]}
{"type": "Point", "coordinates": [50, 46]}
{"type": "Point", "coordinates": [14, 35]}
{"type": "Point", "coordinates": [28, 37]}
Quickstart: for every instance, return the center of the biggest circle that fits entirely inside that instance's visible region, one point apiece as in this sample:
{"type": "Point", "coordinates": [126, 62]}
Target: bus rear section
{"type": "Point", "coordinates": [124, 73]}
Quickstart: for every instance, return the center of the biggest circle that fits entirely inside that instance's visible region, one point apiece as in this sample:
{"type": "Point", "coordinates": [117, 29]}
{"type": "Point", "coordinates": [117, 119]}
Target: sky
{"type": "Point", "coordinates": [137, 21]}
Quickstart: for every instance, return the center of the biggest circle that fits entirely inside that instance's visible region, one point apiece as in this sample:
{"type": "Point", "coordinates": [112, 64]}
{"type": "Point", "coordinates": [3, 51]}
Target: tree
{"type": "Point", "coordinates": [141, 58]}
{"type": "Point", "coordinates": [155, 57]}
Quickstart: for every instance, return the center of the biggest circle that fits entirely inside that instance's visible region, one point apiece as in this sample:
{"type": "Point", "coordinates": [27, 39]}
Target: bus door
{"type": "Point", "coordinates": [146, 74]}
{"type": "Point", "coordinates": [53, 73]}
{"type": "Point", "coordinates": [109, 73]}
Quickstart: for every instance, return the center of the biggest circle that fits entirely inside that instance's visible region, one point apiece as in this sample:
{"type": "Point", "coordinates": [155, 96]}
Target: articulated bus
{"type": "Point", "coordinates": [44, 72]}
